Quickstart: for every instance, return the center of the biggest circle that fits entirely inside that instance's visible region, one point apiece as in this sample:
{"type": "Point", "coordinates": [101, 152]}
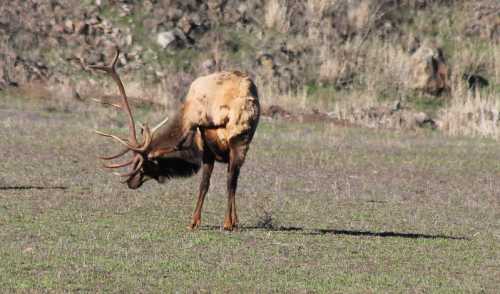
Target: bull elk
{"type": "Point", "coordinates": [216, 122]}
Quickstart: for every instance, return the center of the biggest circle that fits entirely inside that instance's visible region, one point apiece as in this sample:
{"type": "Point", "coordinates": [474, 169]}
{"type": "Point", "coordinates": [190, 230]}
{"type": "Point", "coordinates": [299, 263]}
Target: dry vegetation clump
{"type": "Point", "coordinates": [474, 107]}
{"type": "Point", "coordinates": [472, 114]}
{"type": "Point", "coordinates": [276, 15]}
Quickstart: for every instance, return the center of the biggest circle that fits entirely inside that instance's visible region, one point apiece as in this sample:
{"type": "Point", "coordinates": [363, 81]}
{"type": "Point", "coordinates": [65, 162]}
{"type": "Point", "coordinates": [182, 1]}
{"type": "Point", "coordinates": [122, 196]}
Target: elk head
{"type": "Point", "coordinates": [139, 163]}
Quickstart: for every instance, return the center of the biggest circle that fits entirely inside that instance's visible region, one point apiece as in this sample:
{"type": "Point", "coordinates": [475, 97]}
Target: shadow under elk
{"type": "Point", "coordinates": [216, 122]}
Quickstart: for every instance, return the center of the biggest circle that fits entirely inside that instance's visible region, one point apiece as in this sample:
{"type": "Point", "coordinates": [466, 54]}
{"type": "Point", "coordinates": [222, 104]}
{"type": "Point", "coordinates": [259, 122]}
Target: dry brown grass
{"type": "Point", "coordinates": [276, 15]}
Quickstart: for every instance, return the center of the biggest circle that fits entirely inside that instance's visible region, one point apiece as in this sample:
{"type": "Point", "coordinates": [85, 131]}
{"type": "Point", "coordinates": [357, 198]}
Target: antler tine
{"type": "Point", "coordinates": [158, 126]}
{"type": "Point", "coordinates": [122, 141]}
{"type": "Point", "coordinates": [122, 152]}
{"type": "Point", "coordinates": [118, 165]}
{"type": "Point", "coordinates": [147, 137]}
{"type": "Point", "coordinates": [111, 70]}
{"type": "Point", "coordinates": [106, 103]}
{"type": "Point", "coordinates": [137, 161]}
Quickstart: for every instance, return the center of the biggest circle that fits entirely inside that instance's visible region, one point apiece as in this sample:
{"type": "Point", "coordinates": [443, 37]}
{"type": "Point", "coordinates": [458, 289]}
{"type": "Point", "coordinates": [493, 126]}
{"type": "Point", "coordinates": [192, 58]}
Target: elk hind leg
{"type": "Point", "coordinates": [208, 166]}
{"type": "Point", "coordinates": [236, 159]}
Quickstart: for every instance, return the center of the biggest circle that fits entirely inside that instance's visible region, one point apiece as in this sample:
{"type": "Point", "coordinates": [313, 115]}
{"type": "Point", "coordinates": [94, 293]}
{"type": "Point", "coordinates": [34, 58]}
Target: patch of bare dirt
{"type": "Point", "coordinates": [383, 117]}
{"type": "Point", "coordinates": [315, 115]}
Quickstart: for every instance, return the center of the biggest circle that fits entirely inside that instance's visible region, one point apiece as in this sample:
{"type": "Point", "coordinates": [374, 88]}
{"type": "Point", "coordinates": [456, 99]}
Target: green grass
{"type": "Point", "coordinates": [353, 210]}
{"type": "Point", "coordinates": [243, 45]}
{"type": "Point", "coordinates": [317, 92]}
{"type": "Point", "coordinates": [425, 103]}
{"type": "Point", "coordinates": [180, 60]}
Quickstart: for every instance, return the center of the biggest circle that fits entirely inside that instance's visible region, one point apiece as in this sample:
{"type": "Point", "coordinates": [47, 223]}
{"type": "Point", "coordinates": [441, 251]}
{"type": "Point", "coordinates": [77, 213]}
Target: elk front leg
{"type": "Point", "coordinates": [236, 159]}
{"type": "Point", "coordinates": [208, 166]}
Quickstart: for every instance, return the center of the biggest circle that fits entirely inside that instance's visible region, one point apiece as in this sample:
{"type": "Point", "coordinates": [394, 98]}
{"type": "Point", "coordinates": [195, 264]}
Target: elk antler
{"type": "Point", "coordinates": [111, 70]}
{"type": "Point", "coordinates": [131, 142]}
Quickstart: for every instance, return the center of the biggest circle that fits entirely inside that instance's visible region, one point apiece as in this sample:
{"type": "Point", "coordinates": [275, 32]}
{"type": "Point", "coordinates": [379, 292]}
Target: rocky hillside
{"type": "Point", "coordinates": [364, 61]}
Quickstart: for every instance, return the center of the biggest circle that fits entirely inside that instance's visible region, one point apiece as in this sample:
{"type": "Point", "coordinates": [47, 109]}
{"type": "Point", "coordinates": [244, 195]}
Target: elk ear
{"type": "Point", "coordinates": [135, 181]}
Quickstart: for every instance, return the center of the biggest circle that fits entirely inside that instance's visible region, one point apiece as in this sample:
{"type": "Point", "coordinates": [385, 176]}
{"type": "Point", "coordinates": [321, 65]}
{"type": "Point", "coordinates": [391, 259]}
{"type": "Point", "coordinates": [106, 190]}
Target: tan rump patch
{"type": "Point", "coordinates": [224, 98]}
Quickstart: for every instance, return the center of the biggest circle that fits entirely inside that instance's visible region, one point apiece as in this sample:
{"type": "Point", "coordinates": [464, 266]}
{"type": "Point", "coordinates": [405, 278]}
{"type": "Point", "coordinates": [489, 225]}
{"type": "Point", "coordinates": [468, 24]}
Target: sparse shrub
{"type": "Point", "coordinates": [265, 221]}
{"type": "Point", "coordinates": [276, 16]}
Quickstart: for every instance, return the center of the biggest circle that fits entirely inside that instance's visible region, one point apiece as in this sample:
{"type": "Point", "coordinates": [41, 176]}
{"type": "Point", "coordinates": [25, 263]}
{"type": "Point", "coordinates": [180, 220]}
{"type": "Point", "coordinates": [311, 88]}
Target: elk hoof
{"type": "Point", "coordinates": [230, 227]}
{"type": "Point", "coordinates": [194, 225]}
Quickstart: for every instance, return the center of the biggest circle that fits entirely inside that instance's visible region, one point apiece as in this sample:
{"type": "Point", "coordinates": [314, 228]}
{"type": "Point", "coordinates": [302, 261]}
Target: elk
{"type": "Point", "coordinates": [216, 122]}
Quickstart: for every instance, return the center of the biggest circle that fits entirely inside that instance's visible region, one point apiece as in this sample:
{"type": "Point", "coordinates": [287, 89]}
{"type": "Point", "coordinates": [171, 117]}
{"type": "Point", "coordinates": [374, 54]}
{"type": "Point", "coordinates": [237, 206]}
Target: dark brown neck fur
{"type": "Point", "coordinates": [182, 163]}
{"type": "Point", "coordinates": [170, 134]}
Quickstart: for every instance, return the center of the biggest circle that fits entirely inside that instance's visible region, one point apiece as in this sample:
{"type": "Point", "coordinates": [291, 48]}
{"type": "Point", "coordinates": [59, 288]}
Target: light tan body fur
{"type": "Point", "coordinates": [220, 109]}
{"type": "Point", "coordinates": [224, 104]}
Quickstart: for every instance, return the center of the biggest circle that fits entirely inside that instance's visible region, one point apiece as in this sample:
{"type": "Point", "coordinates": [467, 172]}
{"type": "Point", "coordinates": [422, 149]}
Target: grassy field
{"type": "Point", "coordinates": [322, 209]}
